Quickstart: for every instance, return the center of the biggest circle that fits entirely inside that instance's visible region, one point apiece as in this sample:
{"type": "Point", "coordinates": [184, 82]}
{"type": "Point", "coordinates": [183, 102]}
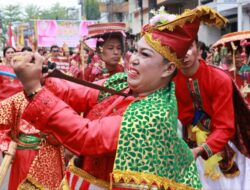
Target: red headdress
{"type": "Point", "coordinates": [172, 35]}
{"type": "Point", "coordinates": [100, 29]}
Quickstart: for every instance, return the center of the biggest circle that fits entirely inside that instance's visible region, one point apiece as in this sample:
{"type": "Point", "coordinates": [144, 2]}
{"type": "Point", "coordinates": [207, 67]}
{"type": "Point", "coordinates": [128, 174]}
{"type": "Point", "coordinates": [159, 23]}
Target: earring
{"type": "Point", "coordinates": [101, 49]}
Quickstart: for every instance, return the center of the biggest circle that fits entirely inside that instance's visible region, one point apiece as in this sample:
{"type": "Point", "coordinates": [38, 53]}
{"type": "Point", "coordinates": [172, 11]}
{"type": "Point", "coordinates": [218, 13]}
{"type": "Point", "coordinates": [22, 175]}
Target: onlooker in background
{"type": "Point", "coordinates": [55, 51]}
{"type": "Point", "coordinates": [203, 50]}
{"type": "Point", "coordinates": [8, 85]}
{"type": "Point", "coordinates": [8, 53]}
{"type": "Point", "coordinates": [26, 48]}
{"type": "Point", "coordinates": [42, 51]}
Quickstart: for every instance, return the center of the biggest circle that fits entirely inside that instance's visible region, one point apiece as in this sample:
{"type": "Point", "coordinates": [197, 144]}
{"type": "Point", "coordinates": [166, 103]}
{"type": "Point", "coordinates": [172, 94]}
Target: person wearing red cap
{"type": "Point", "coordinates": [206, 110]}
{"type": "Point", "coordinates": [109, 49]}
{"type": "Point", "coordinates": [130, 141]}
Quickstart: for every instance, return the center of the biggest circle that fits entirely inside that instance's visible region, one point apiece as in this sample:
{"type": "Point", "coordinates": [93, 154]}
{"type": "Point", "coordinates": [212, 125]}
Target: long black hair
{"type": "Point", "coordinates": [6, 48]}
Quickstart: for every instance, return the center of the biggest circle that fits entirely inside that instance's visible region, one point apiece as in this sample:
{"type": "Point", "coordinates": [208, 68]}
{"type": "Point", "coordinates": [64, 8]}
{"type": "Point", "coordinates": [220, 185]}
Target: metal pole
{"type": "Point", "coordinates": [141, 13]}
{"type": "Point", "coordinates": [152, 6]}
{"type": "Point", "coordinates": [240, 17]}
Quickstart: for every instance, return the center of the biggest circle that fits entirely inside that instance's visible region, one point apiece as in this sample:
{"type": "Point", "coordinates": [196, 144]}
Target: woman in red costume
{"type": "Point", "coordinates": [28, 169]}
{"type": "Point", "coordinates": [38, 160]}
{"type": "Point", "coordinates": [133, 142]}
{"type": "Point", "coordinates": [8, 85]}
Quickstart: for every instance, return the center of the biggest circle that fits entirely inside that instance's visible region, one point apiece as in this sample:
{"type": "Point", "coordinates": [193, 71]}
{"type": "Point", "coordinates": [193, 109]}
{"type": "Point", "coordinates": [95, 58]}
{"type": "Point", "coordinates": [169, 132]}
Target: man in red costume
{"type": "Point", "coordinates": [109, 49]}
{"type": "Point", "coordinates": [206, 111]}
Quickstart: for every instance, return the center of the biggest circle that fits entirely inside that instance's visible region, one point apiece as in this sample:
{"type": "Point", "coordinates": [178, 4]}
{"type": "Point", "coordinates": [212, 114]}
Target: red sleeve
{"type": "Point", "coordinates": [222, 118]}
{"type": "Point", "coordinates": [79, 97]}
{"type": "Point", "coordinates": [81, 136]}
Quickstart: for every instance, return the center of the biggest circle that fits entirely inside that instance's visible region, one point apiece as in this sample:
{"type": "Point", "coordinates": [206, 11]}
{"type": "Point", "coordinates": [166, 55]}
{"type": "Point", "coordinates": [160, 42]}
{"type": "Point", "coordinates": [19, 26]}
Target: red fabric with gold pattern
{"type": "Point", "coordinates": [96, 70]}
{"type": "Point", "coordinates": [44, 167]}
{"type": "Point", "coordinates": [185, 35]}
{"type": "Point", "coordinates": [8, 85]}
{"type": "Point", "coordinates": [172, 35]}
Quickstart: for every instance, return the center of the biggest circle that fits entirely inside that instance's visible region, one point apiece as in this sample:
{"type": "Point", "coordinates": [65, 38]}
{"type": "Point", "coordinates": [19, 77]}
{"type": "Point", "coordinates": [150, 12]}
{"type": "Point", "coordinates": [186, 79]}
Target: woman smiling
{"type": "Point", "coordinates": [128, 142]}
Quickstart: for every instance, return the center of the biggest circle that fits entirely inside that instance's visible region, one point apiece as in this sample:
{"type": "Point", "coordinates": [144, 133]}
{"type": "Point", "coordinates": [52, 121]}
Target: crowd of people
{"type": "Point", "coordinates": [168, 115]}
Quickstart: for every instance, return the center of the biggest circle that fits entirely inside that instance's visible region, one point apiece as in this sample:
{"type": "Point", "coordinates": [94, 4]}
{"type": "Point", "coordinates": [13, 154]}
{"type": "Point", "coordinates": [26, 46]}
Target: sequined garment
{"type": "Point", "coordinates": [40, 165]}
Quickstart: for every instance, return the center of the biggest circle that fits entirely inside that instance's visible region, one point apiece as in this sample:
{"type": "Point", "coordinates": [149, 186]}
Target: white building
{"type": "Point", "coordinates": [236, 11]}
{"type": "Point", "coordinates": [113, 10]}
{"type": "Point", "coordinates": [135, 20]}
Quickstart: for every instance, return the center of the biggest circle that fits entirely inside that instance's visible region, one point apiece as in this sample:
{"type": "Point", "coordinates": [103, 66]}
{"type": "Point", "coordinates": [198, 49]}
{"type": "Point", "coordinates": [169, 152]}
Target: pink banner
{"type": "Point", "coordinates": [53, 32]}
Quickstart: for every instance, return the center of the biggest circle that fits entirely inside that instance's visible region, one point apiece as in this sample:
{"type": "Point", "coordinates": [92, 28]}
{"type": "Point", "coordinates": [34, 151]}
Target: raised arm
{"type": "Point", "coordinates": [82, 136]}
{"type": "Point", "coordinates": [79, 97]}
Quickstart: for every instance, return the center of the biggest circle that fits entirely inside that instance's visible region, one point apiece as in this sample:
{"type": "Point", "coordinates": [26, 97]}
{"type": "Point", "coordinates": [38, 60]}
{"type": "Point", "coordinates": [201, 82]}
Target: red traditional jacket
{"type": "Point", "coordinates": [95, 137]}
{"type": "Point", "coordinates": [97, 70]}
{"type": "Point", "coordinates": [215, 89]}
{"type": "Point", "coordinates": [8, 85]}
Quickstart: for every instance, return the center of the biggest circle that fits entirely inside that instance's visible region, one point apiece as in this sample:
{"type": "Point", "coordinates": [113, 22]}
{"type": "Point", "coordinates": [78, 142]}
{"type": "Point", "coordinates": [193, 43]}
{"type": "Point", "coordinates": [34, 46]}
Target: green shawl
{"type": "Point", "coordinates": [149, 150]}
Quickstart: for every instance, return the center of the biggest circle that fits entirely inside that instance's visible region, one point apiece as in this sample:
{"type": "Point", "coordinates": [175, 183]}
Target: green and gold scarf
{"type": "Point", "coordinates": [149, 150]}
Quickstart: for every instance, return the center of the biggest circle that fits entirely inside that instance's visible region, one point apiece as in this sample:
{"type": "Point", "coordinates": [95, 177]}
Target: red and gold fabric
{"type": "Point", "coordinates": [165, 33]}
{"type": "Point", "coordinates": [37, 164]}
{"type": "Point", "coordinates": [8, 86]}
{"type": "Point", "coordinates": [97, 70]}
{"type": "Point", "coordinates": [96, 136]}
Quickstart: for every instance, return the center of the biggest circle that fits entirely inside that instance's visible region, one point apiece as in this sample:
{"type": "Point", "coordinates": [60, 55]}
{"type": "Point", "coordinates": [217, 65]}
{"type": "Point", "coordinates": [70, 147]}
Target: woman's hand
{"type": "Point", "coordinates": [28, 68]}
{"type": "Point", "coordinates": [197, 151]}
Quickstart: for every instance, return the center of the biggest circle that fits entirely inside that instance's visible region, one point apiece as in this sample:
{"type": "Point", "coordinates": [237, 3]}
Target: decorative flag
{"type": "Point", "coordinates": [10, 35]}
{"type": "Point", "coordinates": [22, 36]}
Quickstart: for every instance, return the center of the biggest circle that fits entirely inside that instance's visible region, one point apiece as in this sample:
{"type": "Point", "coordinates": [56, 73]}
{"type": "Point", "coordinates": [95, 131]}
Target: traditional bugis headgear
{"type": "Point", "coordinates": [234, 42]}
{"type": "Point", "coordinates": [234, 36]}
{"type": "Point", "coordinates": [101, 29]}
{"type": "Point", "coordinates": [172, 35]}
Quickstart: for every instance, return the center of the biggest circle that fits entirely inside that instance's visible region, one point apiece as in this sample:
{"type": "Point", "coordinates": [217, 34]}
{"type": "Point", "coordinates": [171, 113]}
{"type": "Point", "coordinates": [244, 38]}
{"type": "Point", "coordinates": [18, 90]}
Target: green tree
{"type": "Point", "coordinates": [55, 12]}
{"type": "Point", "coordinates": [92, 10]}
{"type": "Point", "coordinates": [12, 13]}
{"type": "Point", "coordinates": [32, 12]}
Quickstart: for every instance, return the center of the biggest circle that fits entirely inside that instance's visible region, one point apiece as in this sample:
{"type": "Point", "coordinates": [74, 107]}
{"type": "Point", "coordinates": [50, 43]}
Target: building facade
{"type": "Point", "coordinates": [136, 13]}
{"type": "Point", "coordinates": [113, 10]}
{"type": "Point", "coordinates": [139, 16]}
{"type": "Point", "coordinates": [236, 11]}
